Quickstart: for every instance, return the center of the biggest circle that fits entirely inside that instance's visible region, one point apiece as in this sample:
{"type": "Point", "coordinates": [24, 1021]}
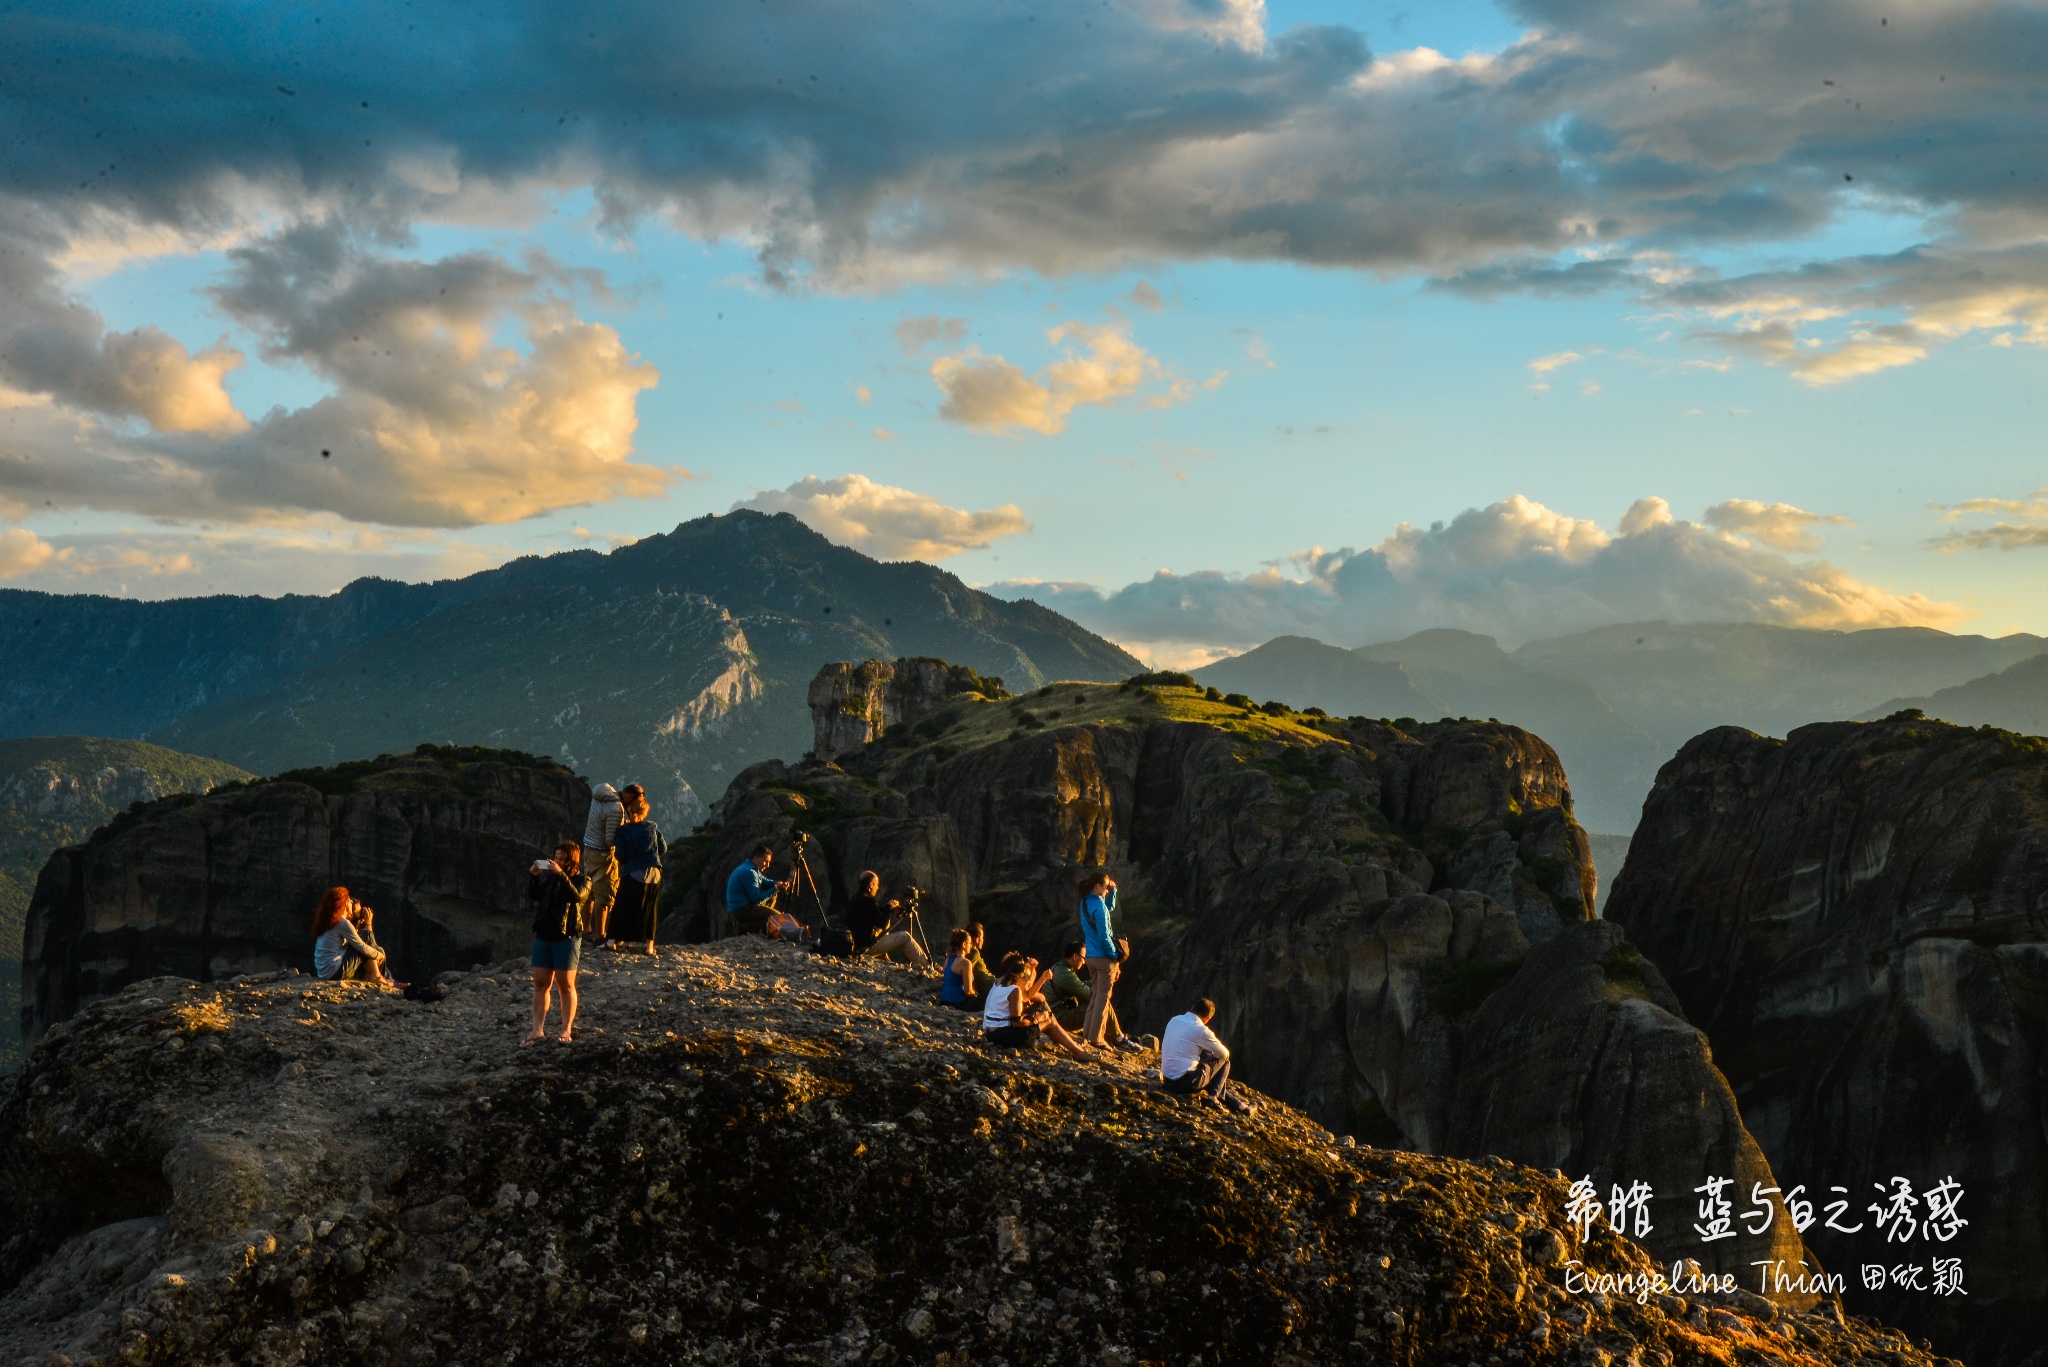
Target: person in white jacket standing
{"type": "Point", "coordinates": [1192, 1060]}
{"type": "Point", "coordinates": [600, 834]}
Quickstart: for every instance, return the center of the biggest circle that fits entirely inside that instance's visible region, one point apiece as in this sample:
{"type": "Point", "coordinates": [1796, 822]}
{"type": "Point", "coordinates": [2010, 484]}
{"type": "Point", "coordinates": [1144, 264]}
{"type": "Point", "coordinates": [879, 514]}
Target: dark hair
{"type": "Point", "coordinates": [959, 938]}
{"type": "Point", "coordinates": [575, 850]}
{"type": "Point", "coordinates": [1074, 947]}
{"type": "Point", "coordinates": [760, 850]}
{"type": "Point", "coordinates": [977, 929]}
{"type": "Point", "coordinates": [1011, 965]}
{"type": "Point", "coordinates": [1087, 881]}
{"type": "Point", "coordinates": [333, 906]}
{"type": "Point", "coordinates": [1203, 1007]}
{"type": "Point", "coordinates": [633, 798]}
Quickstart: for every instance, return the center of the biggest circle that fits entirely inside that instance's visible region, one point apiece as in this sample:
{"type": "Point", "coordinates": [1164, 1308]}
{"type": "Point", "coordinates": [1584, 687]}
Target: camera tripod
{"type": "Point", "coordinates": [805, 880]}
{"type": "Point", "coordinates": [914, 914]}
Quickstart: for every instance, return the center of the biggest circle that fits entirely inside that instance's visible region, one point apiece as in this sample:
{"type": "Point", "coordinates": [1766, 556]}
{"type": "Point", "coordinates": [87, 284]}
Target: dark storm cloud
{"type": "Point", "coordinates": [872, 141]}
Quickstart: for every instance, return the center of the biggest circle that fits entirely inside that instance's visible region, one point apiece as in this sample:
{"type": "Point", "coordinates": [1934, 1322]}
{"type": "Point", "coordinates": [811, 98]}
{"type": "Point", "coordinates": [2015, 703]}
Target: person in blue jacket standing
{"type": "Point", "coordinates": [1106, 954]}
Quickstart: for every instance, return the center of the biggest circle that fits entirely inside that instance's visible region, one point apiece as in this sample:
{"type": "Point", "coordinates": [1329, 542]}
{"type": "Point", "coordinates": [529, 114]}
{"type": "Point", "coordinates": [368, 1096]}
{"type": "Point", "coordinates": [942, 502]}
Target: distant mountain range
{"type": "Point", "coordinates": [1619, 701]}
{"type": "Point", "coordinates": [54, 791]}
{"type": "Point", "coordinates": [672, 662]}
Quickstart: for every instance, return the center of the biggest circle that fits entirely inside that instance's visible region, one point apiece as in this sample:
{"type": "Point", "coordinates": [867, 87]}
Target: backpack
{"type": "Point", "coordinates": [836, 942]}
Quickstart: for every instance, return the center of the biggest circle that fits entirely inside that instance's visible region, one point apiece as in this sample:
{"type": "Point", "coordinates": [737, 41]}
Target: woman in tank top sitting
{"type": "Point", "coordinates": [1016, 1014]}
{"type": "Point", "coordinates": [958, 988]}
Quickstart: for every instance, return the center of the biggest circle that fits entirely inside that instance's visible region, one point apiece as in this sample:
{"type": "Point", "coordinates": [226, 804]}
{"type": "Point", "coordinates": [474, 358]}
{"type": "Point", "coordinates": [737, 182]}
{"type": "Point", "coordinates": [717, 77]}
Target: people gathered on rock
{"type": "Point", "coordinates": [558, 893]}
{"type": "Point", "coordinates": [345, 943]}
{"type": "Point", "coordinates": [608, 885]}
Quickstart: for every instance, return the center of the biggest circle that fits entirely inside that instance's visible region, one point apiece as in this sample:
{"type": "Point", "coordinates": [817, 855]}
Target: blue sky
{"type": "Point", "coordinates": [1325, 294]}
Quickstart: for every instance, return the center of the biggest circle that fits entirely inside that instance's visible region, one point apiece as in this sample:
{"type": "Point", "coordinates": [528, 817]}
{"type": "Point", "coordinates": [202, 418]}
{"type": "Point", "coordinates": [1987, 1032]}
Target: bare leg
{"type": "Point", "coordinates": [568, 977]}
{"type": "Point", "coordinates": [1060, 1037]}
{"type": "Point", "coordinates": [542, 977]}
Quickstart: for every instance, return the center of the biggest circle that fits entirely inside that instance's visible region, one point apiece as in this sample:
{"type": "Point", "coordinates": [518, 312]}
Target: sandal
{"type": "Point", "coordinates": [531, 1040]}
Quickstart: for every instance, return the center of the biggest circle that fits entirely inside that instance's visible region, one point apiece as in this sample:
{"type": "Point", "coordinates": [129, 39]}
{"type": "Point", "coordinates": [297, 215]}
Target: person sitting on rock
{"type": "Point", "coordinates": [868, 917]}
{"type": "Point", "coordinates": [344, 950]}
{"type": "Point", "coordinates": [957, 989]}
{"type": "Point", "coordinates": [1015, 1014]}
{"type": "Point", "coordinates": [557, 891]}
{"type": "Point", "coordinates": [977, 935]}
{"type": "Point", "coordinates": [750, 892]}
{"type": "Point", "coordinates": [1193, 1061]}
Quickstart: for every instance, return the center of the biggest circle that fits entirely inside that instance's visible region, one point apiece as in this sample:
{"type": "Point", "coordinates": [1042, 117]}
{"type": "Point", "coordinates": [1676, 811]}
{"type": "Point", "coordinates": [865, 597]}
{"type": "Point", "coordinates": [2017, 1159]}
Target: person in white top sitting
{"type": "Point", "coordinates": [1193, 1061]}
{"type": "Point", "coordinates": [1014, 1014]}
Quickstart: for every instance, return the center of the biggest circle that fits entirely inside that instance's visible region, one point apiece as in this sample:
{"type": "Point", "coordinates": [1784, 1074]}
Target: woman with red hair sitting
{"type": "Point", "coordinates": [342, 950]}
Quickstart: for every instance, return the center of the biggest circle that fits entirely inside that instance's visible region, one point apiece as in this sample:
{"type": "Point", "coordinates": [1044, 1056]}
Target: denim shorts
{"type": "Point", "coordinates": [560, 955]}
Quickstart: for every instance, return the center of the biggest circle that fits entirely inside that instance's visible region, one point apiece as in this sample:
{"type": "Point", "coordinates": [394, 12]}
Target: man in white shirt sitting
{"type": "Point", "coordinates": [1193, 1061]}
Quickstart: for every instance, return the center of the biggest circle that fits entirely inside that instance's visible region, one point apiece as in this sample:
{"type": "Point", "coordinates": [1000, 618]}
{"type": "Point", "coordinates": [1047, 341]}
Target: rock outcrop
{"type": "Point", "coordinates": [1347, 891]}
{"type": "Point", "coordinates": [852, 704]}
{"type": "Point", "coordinates": [755, 1156]}
{"type": "Point", "coordinates": [1858, 917]}
{"type": "Point", "coordinates": [437, 842]}
{"type": "Point", "coordinates": [54, 790]}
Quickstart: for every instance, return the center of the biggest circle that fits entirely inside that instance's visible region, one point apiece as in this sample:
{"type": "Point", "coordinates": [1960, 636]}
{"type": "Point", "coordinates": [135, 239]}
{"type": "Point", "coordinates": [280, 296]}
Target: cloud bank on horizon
{"type": "Point", "coordinates": [1514, 570]}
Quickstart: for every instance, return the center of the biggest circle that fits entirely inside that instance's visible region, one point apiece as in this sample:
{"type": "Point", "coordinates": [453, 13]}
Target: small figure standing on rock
{"type": "Point", "coordinates": [641, 850]}
{"type": "Point", "coordinates": [600, 833]}
{"type": "Point", "coordinates": [557, 891]}
{"type": "Point", "coordinates": [1105, 952]}
{"type": "Point", "coordinates": [1016, 1014]}
{"type": "Point", "coordinates": [869, 918]}
{"type": "Point", "coordinates": [344, 946]}
{"type": "Point", "coordinates": [1192, 1060]}
{"type": "Point", "coordinates": [956, 988]}
{"type": "Point", "coordinates": [750, 892]}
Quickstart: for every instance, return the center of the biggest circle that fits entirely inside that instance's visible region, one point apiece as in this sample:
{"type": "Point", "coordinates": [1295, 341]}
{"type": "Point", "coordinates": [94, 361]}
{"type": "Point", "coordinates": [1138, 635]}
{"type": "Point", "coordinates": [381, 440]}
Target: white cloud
{"type": "Point", "coordinates": [886, 522]}
{"type": "Point", "coordinates": [1515, 570]}
{"type": "Point", "coordinates": [2022, 524]}
{"type": "Point", "coordinates": [913, 335]}
{"type": "Point", "coordinates": [1780, 526]}
{"type": "Point", "coordinates": [990, 394]}
{"type": "Point", "coordinates": [23, 552]}
{"type": "Point", "coordinates": [430, 420]}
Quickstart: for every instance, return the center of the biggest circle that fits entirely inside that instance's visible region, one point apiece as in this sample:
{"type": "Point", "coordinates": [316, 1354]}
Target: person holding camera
{"type": "Point", "coordinates": [869, 918]}
{"type": "Point", "coordinates": [1105, 952]}
{"type": "Point", "coordinates": [559, 894]}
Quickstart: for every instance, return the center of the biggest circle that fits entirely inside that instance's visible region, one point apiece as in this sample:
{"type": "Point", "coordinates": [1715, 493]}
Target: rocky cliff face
{"type": "Point", "coordinates": [852, 704]}
{"type": "Point", "coordinates": [210, 887]}
{"type": "Point", "coordinates": [754, 1156]}
{"type": "Point", "coordinates": [1348, 892]}
{"type": "Point", "coordinates": [54, 790]}
{"type": "Point", "coordinates": [1858, 917]}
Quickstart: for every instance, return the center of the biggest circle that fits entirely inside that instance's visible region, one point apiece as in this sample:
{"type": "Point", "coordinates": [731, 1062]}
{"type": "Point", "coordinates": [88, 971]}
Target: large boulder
{"type": "Point", "coordinates": [436, 842]}
{"type": "Point", "coordinates": [1584, 1062]}
{"type": "Point", "coordinates": [754, 1156]}
{"type": "Point", "coordinates": [1857, 915]}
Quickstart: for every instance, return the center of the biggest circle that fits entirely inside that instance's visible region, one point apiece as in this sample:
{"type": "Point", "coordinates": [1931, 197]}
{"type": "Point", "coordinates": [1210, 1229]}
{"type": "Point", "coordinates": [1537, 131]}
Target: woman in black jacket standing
{"type": "Point", "coordinates": [640, 849]}
{"type": "Point", "coordinates": [557, 891]}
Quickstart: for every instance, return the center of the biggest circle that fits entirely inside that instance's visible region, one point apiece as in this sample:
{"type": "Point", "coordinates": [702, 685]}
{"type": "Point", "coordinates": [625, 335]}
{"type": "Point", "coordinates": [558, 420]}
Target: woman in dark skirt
{"type": "Point", "coordinates": [640, 850]}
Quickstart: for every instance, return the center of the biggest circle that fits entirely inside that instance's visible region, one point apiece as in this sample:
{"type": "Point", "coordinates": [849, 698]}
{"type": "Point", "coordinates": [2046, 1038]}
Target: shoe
{"type": "Point", "coordinates": [1129, 1045]}
{"type": "Point", "coordinates": [1239, 1105]}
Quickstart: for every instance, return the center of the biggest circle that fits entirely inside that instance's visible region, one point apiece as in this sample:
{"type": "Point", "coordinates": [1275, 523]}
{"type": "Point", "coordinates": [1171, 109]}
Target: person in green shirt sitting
{"type": "Point", "coordinates": [1069, 991]}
